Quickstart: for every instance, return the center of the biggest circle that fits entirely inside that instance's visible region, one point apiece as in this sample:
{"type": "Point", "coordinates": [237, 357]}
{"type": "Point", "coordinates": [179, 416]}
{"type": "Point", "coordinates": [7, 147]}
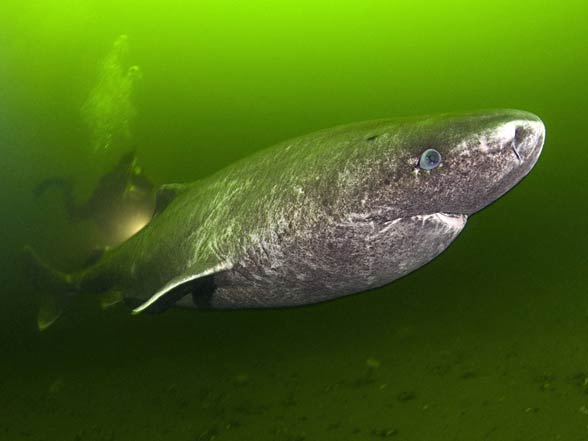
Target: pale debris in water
{"type": "Point", "coordinates": [373, 363]}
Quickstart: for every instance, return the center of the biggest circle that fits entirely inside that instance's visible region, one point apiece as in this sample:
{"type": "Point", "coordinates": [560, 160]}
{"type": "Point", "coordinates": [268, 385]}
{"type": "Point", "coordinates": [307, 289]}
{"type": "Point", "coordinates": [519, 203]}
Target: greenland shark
{"type": "Point", "coordinates": [122, 202]}
{"type": "Point", "coordinates": [325, 215]}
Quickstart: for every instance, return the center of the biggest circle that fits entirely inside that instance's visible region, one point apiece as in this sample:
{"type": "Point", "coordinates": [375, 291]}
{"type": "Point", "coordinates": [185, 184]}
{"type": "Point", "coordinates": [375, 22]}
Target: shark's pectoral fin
{"type": "Point", "coordinates": [199, 282]}
{"type": "Point", "coordinates": [166, 194]}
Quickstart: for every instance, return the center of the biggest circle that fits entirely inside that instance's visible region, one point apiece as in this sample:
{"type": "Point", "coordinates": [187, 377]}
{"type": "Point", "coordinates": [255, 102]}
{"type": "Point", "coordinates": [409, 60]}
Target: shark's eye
{"type": "Point", "coordinates": [430, 159]}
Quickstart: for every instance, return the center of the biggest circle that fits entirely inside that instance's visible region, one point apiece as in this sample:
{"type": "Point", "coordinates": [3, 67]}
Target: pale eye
{"type": "Point", "coordinates": [430, 159]}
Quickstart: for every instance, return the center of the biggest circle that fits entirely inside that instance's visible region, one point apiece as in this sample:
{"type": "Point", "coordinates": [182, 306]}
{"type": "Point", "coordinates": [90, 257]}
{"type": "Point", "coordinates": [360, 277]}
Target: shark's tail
{"type": "Point", "coordinates": [53, 288]}
{"type": "Point", "coordinates": [67, 189]}
{"type": "Point", "coordinates": [48, 183]}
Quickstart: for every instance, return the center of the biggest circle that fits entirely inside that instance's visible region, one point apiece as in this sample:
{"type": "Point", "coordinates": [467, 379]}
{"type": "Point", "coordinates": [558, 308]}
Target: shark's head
{"type": "Point", "coordinates": [455, 163]}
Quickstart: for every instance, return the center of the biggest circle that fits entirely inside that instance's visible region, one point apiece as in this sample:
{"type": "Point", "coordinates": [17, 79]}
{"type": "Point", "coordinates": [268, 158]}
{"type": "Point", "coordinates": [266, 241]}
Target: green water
{"type": "Point", "coordinates": [488, 342]}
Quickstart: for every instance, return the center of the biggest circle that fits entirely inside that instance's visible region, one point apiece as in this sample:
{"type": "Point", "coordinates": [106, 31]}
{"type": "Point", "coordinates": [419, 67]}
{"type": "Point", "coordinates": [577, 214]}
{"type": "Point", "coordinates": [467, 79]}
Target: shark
{"type": "Point", "coordinates": [328, 214]}
{"type": "Point", "coordinates": [122, 202]}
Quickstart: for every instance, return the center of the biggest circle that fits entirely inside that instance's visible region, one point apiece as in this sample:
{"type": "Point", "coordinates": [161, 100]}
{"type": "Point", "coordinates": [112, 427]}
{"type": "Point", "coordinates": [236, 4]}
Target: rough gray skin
{"type": "Point", "coordinates": [321, 216]}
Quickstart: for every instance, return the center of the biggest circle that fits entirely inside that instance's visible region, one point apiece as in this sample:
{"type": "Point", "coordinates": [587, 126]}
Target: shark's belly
{"type": "Point", "coordinates": [334, 262]}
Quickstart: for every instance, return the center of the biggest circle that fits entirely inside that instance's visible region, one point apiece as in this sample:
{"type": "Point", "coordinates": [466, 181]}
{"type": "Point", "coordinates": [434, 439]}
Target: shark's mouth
{"type": "Point", "coordinates": [453, 221]}
{"type": "Point", "coordinates": [441, 215]}
{"type": "Point", "coordinates": [446, 221]}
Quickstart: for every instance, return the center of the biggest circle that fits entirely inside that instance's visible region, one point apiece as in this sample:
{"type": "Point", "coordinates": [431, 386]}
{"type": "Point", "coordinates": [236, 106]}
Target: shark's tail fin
{"type": "Point", "coordinates": [54, 288]}
{"type": "Point", "coordinates": [67, 189]}
{"type": "Point", "coordinates": [48, 183]}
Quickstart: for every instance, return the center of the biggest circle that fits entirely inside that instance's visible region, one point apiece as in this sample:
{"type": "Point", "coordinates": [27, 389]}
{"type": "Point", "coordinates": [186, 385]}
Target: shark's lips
{"type": "Point", "coordinates": [450, 220]}
{"type": "Point", "coordinates": [436, 224]}
{"type": "Point", "coordinates": [456, 221]}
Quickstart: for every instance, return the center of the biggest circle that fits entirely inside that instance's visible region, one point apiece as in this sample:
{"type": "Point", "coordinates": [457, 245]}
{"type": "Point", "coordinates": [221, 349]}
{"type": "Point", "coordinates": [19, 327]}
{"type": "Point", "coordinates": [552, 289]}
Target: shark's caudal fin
{"type": "Point", "coordinates": [45, 185]}
{"type": "Point", "coordinates": [73, 211]}
{"type": "Point", "coordinates": [53, 288]}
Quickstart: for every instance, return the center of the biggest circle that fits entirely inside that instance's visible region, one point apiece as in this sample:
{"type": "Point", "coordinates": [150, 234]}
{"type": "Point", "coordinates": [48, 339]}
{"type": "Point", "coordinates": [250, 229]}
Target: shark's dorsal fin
{"type": "Point", "coordinates": [166, 194]}
{"type": "Point", "coordinates": [198, 281]}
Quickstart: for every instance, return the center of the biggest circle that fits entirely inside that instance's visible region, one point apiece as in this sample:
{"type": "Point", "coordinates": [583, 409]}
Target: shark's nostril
{"type": "Point", "coordinates": [519, 140]}
{"type": "Point", "coordinates": [516, 152]}
{"type": "Point", "coordinates": [521, 133]}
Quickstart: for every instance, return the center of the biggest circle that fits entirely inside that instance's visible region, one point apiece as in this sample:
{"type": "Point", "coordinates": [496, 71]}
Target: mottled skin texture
{"type": "Point", "coordinates": [325, 215]}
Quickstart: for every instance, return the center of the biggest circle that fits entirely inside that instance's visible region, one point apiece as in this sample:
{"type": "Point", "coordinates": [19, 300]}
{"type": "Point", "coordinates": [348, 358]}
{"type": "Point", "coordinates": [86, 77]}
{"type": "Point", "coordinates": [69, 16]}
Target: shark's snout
{"type": "Point", "coordinates": [508, 152]}
{"type": "Point", "coordinates": [529, 135]}
{"type": "Point", "coordinates": [489, 153]}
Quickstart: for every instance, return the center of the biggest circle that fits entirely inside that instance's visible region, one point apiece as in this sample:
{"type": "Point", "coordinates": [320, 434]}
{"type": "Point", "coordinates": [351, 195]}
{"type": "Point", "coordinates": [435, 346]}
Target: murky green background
{"type": "Point", "coordinates": [489, 342]}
